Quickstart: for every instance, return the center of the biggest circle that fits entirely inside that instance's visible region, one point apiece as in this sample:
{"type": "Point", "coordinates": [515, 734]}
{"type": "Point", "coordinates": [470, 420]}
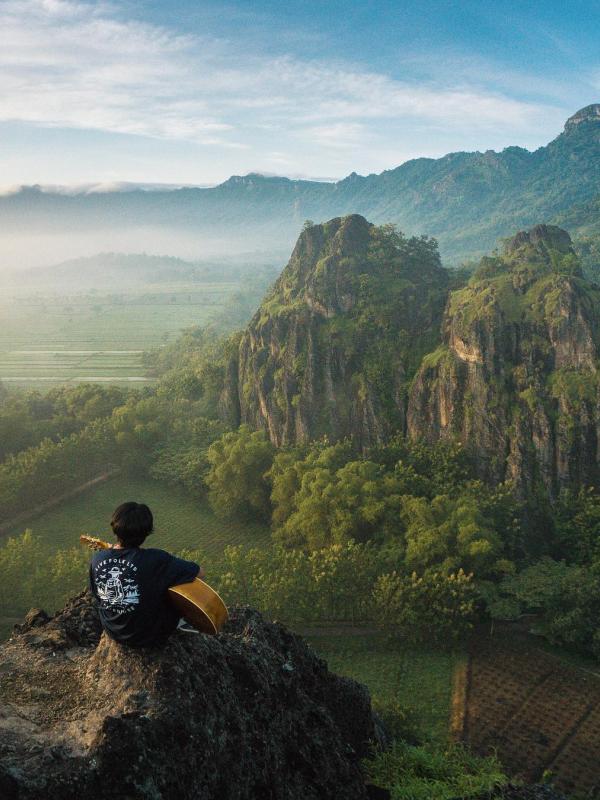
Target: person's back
{"type": "Point", "coordinates": [130, 583]}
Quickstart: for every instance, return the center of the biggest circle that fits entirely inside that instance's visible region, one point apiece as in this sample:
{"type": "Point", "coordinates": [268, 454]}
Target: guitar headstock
{"type": "Point", "coordinates": [93, 543]}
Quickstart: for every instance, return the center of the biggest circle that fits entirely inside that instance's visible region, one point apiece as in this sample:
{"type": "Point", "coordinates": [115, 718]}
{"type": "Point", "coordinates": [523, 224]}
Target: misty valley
{"type": "Point", "coordinates": [94, 319]}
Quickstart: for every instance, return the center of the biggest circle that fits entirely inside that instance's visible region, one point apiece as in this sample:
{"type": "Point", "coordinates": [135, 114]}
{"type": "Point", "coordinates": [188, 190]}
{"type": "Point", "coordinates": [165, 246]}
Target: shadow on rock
{"type": "Point", "coordinates": [250, 713]}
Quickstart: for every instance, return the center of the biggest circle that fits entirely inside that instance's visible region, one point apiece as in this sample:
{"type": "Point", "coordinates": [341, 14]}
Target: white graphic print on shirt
{"type": "Point", "coordinates": [116, 585]}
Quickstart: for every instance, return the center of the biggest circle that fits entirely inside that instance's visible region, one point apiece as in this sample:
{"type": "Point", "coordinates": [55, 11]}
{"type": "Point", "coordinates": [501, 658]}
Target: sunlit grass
{"type": "Point", "coordinates": [418, 680]}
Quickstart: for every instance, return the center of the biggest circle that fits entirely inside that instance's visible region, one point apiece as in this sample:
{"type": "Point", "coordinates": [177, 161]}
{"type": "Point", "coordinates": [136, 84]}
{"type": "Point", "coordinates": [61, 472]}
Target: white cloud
{"type": "Point", "coordinates": [75, 64]}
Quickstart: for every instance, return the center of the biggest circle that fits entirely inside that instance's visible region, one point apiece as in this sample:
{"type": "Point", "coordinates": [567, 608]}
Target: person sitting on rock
{"type": "Point", "coordinates": [130, 583]}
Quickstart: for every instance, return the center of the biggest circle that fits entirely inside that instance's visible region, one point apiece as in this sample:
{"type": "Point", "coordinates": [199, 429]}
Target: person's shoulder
{"type": "Point", "coordinates": [99, 555]}
{"type": "Point", "coordinates": [156, 553]}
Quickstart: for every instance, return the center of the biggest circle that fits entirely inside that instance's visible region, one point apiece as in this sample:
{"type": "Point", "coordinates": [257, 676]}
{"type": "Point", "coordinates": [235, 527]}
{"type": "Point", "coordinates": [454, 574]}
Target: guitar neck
{"type": "Point", "coordinates": [93, 543]}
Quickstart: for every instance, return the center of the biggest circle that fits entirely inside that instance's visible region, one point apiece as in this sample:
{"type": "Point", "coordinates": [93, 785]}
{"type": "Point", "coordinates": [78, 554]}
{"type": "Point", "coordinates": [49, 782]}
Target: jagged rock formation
{"type": "Point", "coordinates": [353, 341]}
{"type": "Point", "coordinates": [251, 713]}
{"type": "Point", "coordinates": [516, 375]}
{"type": "Point", "coordinates": [331, 349]}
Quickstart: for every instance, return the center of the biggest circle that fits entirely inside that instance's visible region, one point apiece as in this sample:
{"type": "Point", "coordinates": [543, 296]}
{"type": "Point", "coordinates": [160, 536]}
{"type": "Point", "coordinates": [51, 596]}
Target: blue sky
{"type": "Point", "coordinates": [192, 92]}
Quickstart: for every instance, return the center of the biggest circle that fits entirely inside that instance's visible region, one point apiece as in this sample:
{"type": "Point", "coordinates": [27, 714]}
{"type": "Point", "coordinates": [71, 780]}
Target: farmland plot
{"type": "Point", "coordinates": [538, 712]}
{"type": "Point", "coordinates": [180, 520]}
{"type": "Point", "coordinates": [47, 340]}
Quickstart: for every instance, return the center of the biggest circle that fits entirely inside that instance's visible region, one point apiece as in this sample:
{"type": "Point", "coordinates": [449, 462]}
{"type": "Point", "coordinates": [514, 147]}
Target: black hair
{"type": "Point", "coordinates": [131, 523]}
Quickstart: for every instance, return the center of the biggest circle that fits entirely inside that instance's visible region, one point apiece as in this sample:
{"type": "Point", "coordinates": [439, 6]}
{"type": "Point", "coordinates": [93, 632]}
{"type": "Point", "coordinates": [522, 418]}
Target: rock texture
{"type": "Point", "coordinates": [332, 347]}
{"type": "Point", "coordinates": [251, 713]}
{"type": "Point", "coordinates": [516, 377]}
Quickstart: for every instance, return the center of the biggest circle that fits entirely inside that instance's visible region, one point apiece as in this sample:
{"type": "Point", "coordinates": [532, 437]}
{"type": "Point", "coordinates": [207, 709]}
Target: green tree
{"type": "Point", "coordinates": [343, 578]}
{"type": "Point", "coordinates": [357, 501]}
{"type": "Point", "coordinates": [447, 534]}
{"type": "Point", "coordinates": [237, 479]}
{"type": "Point", "coordinates": [577, 526]}
{"type": "Point", "coordinates": [434, 608]}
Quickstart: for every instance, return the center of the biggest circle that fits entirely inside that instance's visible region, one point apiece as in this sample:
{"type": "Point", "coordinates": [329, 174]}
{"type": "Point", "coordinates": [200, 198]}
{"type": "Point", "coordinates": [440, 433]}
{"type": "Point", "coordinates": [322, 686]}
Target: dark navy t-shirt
{"type": "Point", "coordinates": [130, 587]}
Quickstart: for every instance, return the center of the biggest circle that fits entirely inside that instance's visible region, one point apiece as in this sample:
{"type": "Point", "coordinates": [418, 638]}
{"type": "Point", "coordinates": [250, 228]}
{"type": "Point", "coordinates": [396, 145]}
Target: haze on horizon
{"type": "Point", "coordinates": [100, 95]}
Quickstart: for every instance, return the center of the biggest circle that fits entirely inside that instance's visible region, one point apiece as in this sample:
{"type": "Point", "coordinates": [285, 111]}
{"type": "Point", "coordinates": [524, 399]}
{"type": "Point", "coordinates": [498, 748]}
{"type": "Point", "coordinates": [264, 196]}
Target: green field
{"type": "Point", "coordinates": [418, 680]}
{"type": "Point", "coordinates": [180, 521]}
{"type": "Point", "coordinates": [46, 340]}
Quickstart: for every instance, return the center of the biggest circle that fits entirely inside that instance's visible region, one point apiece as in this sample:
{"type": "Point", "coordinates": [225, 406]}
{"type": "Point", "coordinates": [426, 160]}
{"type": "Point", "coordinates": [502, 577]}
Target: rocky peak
{"type": "Point", "coordinates": [320, 269]}
{"type": "Point", "coordinates": [543, 250]}
{"type": "Point", "coordinates": [327, 352]}
{"type": "Point", "coordinates": [516, 378]}
{"type": "Point", "coordinates": [541, 238]}
{"type": "Point", "coordinates": [588, 114]}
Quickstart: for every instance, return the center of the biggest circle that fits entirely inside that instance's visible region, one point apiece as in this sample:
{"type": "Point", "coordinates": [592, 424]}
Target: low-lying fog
{"type": "Point", "coordinates": [24, 250]}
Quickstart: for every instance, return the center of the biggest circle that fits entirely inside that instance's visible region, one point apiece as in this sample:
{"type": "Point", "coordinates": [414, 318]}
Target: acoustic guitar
{"type": "Point", "coordinates": [197, 603]}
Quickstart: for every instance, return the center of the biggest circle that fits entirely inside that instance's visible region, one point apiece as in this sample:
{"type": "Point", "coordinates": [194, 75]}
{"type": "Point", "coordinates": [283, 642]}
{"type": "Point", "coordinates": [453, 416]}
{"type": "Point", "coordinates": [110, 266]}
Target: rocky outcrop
{"type": "Point", "coordinates": [331, 349]}
{"type": "Point", "coordinates": [251, 713]}
{"type": "Point", "coordinates": [516, 376]}
{"type": "Point", "coordinates": [589, 114]}
{"type": "Point", "coordinates": [353, 341]}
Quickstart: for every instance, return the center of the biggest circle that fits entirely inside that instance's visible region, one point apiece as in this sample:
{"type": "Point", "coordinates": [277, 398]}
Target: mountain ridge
{"type": "Point", "coordinates": [466, 200]}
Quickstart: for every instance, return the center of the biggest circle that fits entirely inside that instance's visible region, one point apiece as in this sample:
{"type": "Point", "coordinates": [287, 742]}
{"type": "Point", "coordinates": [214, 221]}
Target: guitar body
{"type": "Point", "coordinates": [199, 605]}
{"type": "Point", "coordinates": [195, 601]}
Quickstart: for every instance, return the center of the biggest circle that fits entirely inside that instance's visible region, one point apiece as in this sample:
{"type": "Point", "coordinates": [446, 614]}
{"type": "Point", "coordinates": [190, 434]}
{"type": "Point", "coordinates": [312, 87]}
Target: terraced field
{"type": "Point", "coordinates": [539, 713]}
{"type": "Point", "coordinates": [47, 340]}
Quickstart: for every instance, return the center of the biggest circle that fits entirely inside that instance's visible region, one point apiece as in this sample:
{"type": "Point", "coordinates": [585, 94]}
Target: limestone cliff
{"type": "Point", "coordinates": [331, 349]}
{"type": "Point", "coordinates": [354, 341]}
{"type": "Point", "coordinates": [516, 375]}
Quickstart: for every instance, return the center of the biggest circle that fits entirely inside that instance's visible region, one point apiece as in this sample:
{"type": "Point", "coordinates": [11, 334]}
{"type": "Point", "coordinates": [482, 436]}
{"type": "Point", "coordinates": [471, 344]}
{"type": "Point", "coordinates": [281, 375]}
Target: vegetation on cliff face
{"type": "Point", "coordinates": [353, 341]}
{"type": "Point", "coordinates": [516, 377]}
{"type": "Point", "coordinates": [332, 348]}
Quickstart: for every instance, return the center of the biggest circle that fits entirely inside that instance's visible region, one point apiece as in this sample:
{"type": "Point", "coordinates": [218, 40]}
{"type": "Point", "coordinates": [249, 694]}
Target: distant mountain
{"type": "Point", "coordinates": [114, 271]}
{"type": "Point", "coordinates": [466, 200]}
{"type": "Point", "coordinates": [110, 269]}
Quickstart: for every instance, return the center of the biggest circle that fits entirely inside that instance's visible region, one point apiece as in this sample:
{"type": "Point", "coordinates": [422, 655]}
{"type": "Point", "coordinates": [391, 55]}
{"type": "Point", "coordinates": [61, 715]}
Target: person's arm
{"type": "Point", "coordinates": [181, 571]}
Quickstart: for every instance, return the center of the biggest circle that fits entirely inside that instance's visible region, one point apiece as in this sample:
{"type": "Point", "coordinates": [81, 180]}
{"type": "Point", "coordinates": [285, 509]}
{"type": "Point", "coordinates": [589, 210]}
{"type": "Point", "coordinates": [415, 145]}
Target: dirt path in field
{"type": "Point", "coordinates": [540, 714]}
{"type": "Point", "coordinates": [31, 513]}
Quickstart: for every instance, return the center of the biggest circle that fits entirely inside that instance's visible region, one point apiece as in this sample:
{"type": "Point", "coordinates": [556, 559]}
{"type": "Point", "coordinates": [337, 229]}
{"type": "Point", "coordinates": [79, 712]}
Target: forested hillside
{"type": "Point", "coordinates": [353, 341]}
